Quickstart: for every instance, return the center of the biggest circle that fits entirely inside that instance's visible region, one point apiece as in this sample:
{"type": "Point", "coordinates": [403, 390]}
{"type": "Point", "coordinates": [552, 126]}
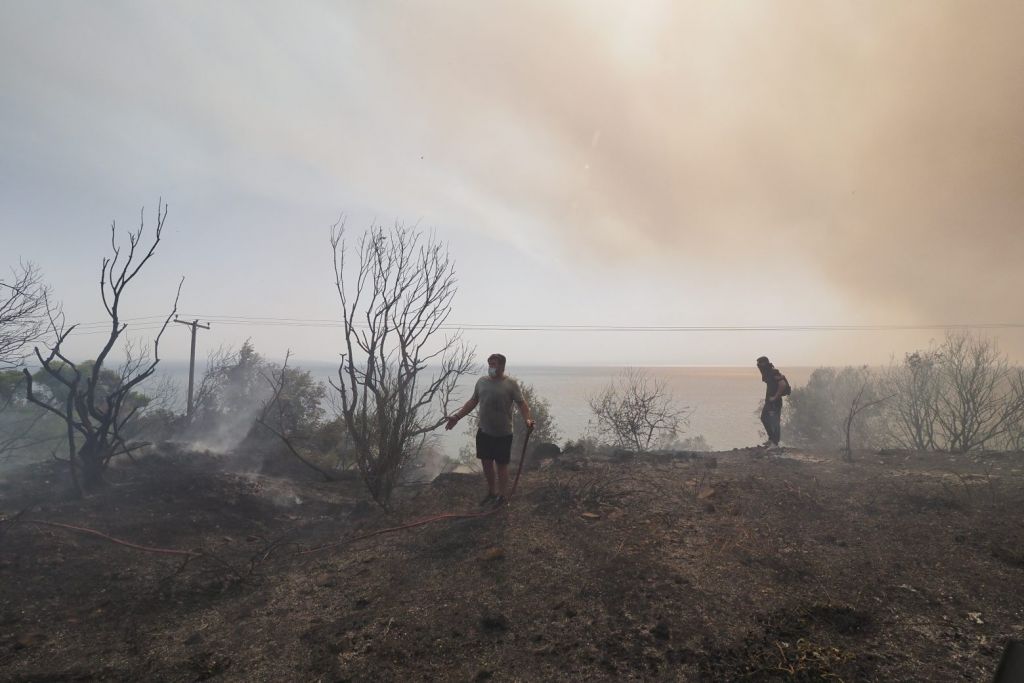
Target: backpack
{"type": "Point", "coordinates": [789, 387]}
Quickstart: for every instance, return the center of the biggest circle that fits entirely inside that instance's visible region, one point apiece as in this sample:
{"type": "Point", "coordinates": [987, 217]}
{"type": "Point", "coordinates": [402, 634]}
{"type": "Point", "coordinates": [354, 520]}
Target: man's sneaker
{"type": "Point", "coordinates": [488, 500]}
{"type": "Point", "coordinates": [500, 501]}
{"type": "Point", "coordinates": [766, 444]}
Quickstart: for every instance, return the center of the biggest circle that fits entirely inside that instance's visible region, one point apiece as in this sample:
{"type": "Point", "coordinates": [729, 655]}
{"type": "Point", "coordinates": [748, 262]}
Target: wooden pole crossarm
{"type": "Point", "coordinates": [191, 362]}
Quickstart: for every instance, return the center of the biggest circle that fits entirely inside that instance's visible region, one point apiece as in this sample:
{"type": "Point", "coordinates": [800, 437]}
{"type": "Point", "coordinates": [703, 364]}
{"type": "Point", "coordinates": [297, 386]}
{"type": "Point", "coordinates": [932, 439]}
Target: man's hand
{"type": "Point", "coordinates": [452, 421]}
{"type": "Point", "coordinates": [530, 424]}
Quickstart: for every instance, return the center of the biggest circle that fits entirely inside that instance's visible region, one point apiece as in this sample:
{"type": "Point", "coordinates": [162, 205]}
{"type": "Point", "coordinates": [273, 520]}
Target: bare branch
{"type": "Point", "coordinates": [393, 302]}
{"type": "Point", "coordinates": [24, 313]}
{"type": "Point", "coordinates": [93, 408]}
{"type": "Point", "coordinates": [277, 380]}
{"type": "Point", "coordinates": [636, 412]}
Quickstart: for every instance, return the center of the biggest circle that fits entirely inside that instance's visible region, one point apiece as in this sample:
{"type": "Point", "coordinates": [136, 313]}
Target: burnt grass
{"type": "Point", "coordinates": [719, 567]}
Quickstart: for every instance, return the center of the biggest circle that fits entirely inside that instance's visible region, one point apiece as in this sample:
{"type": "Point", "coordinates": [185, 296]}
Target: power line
{"type": "Point", "coordinates": [149, 323]}
{"type": "Point", "coordinates": [327, 322]}
{"type": "Point", "coordinates": [106, 323]}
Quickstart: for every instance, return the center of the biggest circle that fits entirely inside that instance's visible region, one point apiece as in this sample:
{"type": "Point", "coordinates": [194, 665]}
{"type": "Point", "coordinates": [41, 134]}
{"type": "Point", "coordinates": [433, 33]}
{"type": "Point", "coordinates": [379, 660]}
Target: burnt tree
{"type": "Point", "coordinates": [636, 411]}
{"type": "Point", "coordinates": [94, 402]}
{"type": "Point", "coordinates": [24, 301]}
{"type": "Point", "coordinates": [397, 372]}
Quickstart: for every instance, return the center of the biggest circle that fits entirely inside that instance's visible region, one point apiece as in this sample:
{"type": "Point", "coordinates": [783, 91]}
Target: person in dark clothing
{"type": "Point", "coordinates": [776, 386]}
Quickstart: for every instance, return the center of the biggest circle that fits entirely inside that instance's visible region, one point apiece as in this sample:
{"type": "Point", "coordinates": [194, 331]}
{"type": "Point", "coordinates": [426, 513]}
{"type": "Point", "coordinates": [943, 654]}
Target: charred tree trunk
{"type": "Point", "coordinates": [93, 465]}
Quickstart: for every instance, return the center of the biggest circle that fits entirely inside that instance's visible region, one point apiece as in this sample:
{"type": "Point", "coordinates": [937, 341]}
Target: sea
{"type": "Point", "coordinates": [723, 402]}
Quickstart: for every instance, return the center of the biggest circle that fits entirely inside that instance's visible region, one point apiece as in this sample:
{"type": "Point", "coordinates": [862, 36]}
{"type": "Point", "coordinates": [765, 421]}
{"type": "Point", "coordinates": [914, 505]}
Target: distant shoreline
{"type": "Point", "coordinates": [294, 362]}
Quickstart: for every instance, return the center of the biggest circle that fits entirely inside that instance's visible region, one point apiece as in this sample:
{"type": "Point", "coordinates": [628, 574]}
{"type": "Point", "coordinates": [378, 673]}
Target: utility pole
{"type": "Point", "coordinates": [191, 363]}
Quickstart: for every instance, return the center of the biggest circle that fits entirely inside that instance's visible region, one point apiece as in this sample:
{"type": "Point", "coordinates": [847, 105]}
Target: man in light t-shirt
{"type": "Point", "coordinates": [495, 394]}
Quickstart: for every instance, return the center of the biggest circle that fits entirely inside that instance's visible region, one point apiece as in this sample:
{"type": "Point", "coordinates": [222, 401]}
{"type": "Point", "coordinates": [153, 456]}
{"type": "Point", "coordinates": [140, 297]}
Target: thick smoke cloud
{"type": "Point", "coordinates": [879, 144]}
{"type": "Point", "coordinates": [873, 149]}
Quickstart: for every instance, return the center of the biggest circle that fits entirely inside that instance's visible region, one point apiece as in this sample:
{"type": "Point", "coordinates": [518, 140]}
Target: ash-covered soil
{"type": "Point", "coordinates": [717, 567]}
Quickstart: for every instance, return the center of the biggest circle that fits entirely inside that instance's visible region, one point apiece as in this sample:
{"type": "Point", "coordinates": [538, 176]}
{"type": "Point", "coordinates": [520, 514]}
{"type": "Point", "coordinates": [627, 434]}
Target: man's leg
{"type": "Point", "coordinates": [766, 422]}
{"type": "Point", "coordinates": [778, 425]}
{"type": "Point", "coordinates": [488, 465]}
{"type": "Point", "coordinates": [503, 455]}
{"type": "Point", "coordinates": [774, 432]}
{"type": "Point", "coordinates": [502, 479]}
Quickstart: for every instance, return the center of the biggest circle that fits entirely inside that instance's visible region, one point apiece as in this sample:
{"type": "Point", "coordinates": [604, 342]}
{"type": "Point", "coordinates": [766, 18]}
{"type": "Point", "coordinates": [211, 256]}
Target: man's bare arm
{"type": "Point", "coordinates": [461, 413]}
{"type": "Point", "coordinates": [524, 410]}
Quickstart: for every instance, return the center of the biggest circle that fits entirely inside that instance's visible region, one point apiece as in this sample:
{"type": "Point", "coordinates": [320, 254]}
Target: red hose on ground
{"type": "Point", "coordinates": [93, 532]}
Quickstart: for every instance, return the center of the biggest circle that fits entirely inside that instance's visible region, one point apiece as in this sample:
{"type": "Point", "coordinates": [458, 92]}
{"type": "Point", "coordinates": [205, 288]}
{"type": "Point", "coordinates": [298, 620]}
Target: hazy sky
{"type": "Point", "coordinates": [623, 163]}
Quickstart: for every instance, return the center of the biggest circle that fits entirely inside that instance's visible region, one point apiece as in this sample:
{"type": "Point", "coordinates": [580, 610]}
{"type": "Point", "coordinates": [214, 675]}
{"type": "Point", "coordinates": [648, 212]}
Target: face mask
{"type": "Point", "coordinates": [492, 372]}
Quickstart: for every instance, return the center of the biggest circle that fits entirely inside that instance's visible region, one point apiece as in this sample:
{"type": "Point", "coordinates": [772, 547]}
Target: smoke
{"type": "Point", "coordinates": [278, 491]}
{"type": "Point", "coordinates": [226, 433]}
{"type": "Point", "coordinates": [878, 146]}
{"type": "Point", "coordinates": [230, 396]}
{"type": "Point", "coordinates": [871, 148]}
{"type": "Point", "coordinates": [427, 462]}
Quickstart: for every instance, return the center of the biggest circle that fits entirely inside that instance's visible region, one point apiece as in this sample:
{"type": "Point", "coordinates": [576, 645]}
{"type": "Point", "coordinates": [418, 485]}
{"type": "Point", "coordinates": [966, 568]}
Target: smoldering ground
{"type": "Point", "coordinates": [805, 568]}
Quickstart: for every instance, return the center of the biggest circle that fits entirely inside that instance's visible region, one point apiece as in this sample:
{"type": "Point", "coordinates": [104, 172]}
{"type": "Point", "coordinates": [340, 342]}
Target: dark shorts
{"type": "Point", "coordinates": [496, 448]}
